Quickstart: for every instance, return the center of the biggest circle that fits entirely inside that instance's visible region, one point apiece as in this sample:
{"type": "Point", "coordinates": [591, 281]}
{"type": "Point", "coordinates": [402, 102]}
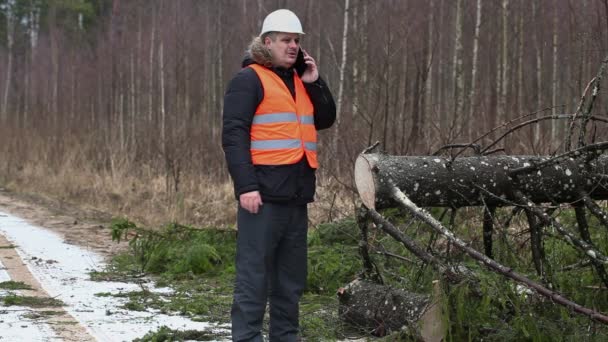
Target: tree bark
{"type": "Point", "coordinates": [474, 181]}
{"type": "Point", "coordinates": [474, 67]}
{"type": "Point", "coordinates": [342, 80]}
{"type": "Point", "coordinates": [554, 127]}
{"type": "Point", "coordinates": [506, 67]}
{"type": "Point", "coordinates": [458, 75]}
{"type": "Point", "coordinates": [539, 66]}
{"type": "Point", "coordinates": [381, 308]}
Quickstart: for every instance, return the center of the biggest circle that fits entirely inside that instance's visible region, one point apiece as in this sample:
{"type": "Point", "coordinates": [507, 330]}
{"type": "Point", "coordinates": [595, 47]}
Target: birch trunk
{"type": "Point", "coordinates": [505, 61]}
{"type": "Point", "coordinates": [132, 110]}
{"type": "Point", "coordinates": [474, 66]}
{"type": "Point", "coordinates": [163, 113]}
{"type": "Point", "coordinates": [151, 69]}
{"type": "Point", "coordinates": [428, 87]}
{"type": "Point", "coordinates": [341, 81]}
{"type": "Point", "coordinates": [440, 83]}
{"type": "Point", "coordinates": [10, 30]}
{"type": "Point", "coordinates": [356, 58]}
{"type": "Point", "coordinates": [520, 64]}
{"type": "Point", "coordinates": [554, 127]}
{"type": "Point", "coordinates": [33, 30]}
{"type": "Point", "coordinates": [457, 71]}
{"type": "Point", "coordinates": [539, 66]}
{"type": "Point", "coordinates": [54, 65]}
{"type": "Point", "coordinates": [220, 66]}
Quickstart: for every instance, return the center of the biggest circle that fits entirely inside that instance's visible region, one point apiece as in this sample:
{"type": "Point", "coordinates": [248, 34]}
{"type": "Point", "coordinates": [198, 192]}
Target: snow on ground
{"type": "Point", "coordinates": [63, 271]}
{"type": "Point", "coordinates": [14, 326]}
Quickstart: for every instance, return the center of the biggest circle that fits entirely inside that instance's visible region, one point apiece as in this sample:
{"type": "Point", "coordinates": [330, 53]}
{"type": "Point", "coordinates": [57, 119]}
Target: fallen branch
{"type": "Point", "coordinates": [584, 247]}
{"type": "Point", "coordinates": [423, 215]}
{"type": "Point", "coordinates": [383, 224]}
{"type": "Point", "coordinates": [595, 209]}
{"type": "Point", "coordinates": [583, 228]}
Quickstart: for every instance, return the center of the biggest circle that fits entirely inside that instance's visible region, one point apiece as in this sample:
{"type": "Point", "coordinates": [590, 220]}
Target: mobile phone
{"type": "Point", "coordinates": [300, 65]}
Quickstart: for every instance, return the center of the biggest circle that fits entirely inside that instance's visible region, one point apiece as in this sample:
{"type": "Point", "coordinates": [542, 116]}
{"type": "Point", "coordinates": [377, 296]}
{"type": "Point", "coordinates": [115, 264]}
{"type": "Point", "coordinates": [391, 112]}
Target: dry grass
{"type": "Point", "coordinates": [139, 192]}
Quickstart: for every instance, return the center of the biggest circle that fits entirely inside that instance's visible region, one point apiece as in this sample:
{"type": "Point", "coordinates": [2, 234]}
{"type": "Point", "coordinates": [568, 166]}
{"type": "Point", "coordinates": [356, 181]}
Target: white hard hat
{"type": "Point", "coordinates": [282, 20]}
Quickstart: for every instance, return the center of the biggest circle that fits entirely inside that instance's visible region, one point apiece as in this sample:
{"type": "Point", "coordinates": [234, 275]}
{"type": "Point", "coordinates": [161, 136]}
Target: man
{"type": "Point", "coordinates": [272, 110]}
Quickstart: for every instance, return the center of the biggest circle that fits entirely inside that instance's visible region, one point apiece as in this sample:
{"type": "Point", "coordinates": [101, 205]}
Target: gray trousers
{"type": "Point", "coordinates": [270, 267]}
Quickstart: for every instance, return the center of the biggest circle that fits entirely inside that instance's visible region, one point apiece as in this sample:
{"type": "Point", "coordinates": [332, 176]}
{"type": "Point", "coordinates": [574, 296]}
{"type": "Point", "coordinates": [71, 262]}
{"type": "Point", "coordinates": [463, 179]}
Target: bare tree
{"type": "Point", "coordinates": [340, 99]}
{"type": "Point", "coordinates": [10, 41]}
{"type": "Point", "coordinates": [474, 65]}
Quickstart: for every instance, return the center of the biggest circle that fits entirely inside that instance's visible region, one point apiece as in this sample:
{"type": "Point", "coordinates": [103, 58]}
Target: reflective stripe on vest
{"type": "Point", "coordinates": [283, 129]}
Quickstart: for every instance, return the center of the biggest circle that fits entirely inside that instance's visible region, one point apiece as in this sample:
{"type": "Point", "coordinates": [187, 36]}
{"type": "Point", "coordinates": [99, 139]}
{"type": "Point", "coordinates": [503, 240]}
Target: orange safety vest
{"type": "Point", "coordinates": [283, 129]}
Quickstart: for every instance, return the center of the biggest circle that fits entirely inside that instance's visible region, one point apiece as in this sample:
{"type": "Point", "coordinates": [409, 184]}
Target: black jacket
{"type": "Point", "coordinates": [294, 183]}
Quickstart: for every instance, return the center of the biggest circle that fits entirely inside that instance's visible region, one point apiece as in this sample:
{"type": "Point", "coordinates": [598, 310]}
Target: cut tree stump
{"type": "Point", "coordinates": [381, 310]}
{"type": "Point", "coordinates": [432, 181]}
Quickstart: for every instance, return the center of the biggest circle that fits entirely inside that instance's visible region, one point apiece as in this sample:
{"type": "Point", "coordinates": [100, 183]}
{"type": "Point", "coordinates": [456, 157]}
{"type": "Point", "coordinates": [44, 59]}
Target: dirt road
{"type": "Point", "coordinates": [52, 248]}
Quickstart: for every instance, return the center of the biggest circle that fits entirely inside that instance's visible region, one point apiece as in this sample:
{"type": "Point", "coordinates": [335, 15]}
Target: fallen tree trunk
{"type": "Point", "coordinates": [476, 181]}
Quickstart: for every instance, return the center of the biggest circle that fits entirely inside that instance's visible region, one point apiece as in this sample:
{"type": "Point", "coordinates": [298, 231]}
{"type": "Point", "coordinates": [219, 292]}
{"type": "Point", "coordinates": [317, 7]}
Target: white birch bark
{"type": "Point", "coordinates": [163, 113]}
{"type": "Point", "coordinates": [32, 32]}
{"type": "Point", "coordinates": [356, 31]}
{"type": "Point", "coordinates": [54, 67]}
{"type": "Point", "coordinates": [440, 88]}
{"type": "Point", "coordinates": [220, 65]}
{"type": "Point", "coordinates": [430, 64]}
{"type": "Point", "coordinates": [520, 64]}
{"type": "Point", "coordinates": [458, 65]}
{"type": "Point", "coordinates": [10, 30]}
{"type": "Point", "coordinates": [505, 61]}
{"type": "Point", "coordinates": [341, 82]}
{"type": "Point", "coordinates": [554, 123]}
{"type": "Point", "coordinates": [474, 66]}
{"type": "Point", "coordinates": [132, 86]}
{"type": "Point", "coordinates": [151, 69]}
{"type": "Point", "coordinates": [539, 67]}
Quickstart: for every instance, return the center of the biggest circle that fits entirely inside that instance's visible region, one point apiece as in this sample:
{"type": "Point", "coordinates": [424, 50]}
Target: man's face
{"type": "Point", "coordinates": [284, 49]}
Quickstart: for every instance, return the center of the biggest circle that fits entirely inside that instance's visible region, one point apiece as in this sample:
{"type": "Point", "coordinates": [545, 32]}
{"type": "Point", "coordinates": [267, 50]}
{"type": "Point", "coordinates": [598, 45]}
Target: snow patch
{"type": "Point", "coordinates": [68, 280]}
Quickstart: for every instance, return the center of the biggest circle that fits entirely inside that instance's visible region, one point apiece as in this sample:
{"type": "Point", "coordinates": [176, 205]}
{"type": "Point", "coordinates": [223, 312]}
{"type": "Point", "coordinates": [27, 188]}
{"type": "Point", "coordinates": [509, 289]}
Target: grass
{"type": "Point", "coordinates": [42, 314]}
{"type": "Point", "coordinates": [123, 186]}
{"type": "Point", "coordinates": [166, 334]}
{"type": "Point", "coordinates": [198, 266]}
{"type": "Point", "coordinates": [14, 285]}
{"type": "Point", "coordinates": [34, 302]}
{"type": "Point", "coordinates": [8, 247]}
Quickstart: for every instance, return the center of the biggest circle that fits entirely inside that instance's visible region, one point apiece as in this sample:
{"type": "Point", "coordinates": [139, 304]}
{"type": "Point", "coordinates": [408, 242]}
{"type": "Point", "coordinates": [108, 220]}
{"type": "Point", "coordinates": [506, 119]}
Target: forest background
{"type": "Point", "coordinates": [116, 104]}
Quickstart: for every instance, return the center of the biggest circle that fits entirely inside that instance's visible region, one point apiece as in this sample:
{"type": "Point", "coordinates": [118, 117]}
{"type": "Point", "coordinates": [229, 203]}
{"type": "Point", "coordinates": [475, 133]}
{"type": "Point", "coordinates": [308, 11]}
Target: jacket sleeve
{"type": "Point", "coordinates": [323, 101]}
{"type": "Point", "coordinates": [242, 97]}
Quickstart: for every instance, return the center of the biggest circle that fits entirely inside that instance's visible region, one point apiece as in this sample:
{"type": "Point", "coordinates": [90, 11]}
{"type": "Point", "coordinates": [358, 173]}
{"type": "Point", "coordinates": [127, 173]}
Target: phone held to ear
{"type": "Point", "coordinates": [300, 65]}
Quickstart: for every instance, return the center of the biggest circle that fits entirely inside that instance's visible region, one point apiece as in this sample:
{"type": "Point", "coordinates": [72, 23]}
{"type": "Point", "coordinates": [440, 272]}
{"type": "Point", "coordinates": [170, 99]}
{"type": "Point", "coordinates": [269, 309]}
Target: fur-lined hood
{"type": "Point", "coordinates": [257, 53]}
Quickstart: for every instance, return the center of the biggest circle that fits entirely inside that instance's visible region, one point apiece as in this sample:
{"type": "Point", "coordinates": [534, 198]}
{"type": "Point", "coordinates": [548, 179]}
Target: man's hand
{"type": "Point", "coordinates": [312, 73]}
{"type": "Point", "coordinates": [251, 201]}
